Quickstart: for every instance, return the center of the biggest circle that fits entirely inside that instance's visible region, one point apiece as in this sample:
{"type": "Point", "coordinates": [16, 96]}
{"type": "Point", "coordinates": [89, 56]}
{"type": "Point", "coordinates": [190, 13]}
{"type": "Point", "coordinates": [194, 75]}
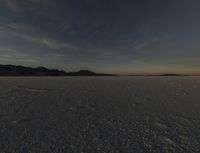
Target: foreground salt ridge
{"type": "Point", "coordinates": [100, 114]}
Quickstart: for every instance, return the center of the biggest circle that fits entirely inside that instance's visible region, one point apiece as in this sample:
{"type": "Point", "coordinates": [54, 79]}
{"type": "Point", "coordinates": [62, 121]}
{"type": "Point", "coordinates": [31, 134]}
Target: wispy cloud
{"type": "Point", "coordinates": [19, 5]}
{"type": "Point", "coordinates": [63, 27]}
{"type": "Point", "coordinates": [7, 50]}
{"type": "Point", "coordinates": [48, 42]}
{"type": "Point", "coordinates": [11, 55]}
{"type": "Point", "coordinates": [57, 44]}
{"type": "Point", "coordinates": [28, 33]}
{"type": "Point", "coordinates": [16, 28]}
{"type": "Point", "coordinates": [20, 27]}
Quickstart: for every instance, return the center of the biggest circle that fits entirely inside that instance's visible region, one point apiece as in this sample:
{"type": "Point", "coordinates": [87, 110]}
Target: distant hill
{"type": "Point", "coordinates": [12, 70]}
{"type": "Point", "coordinates": [87, 73]}
{"type": "Point", "coordinates": [171, 74]}
{"type": "Point", "coordinates": [167, 74]}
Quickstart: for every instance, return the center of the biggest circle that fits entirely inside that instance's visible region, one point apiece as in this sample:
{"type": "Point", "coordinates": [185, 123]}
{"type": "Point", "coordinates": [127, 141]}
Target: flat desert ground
{"type": "Point", "coordinates": [100, 115]}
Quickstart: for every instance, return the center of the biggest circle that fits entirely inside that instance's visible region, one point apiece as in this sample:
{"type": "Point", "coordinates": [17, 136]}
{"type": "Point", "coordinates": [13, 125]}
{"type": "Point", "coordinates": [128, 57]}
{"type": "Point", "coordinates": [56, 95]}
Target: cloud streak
{"type": "Point", "coordinates": [21, 5]}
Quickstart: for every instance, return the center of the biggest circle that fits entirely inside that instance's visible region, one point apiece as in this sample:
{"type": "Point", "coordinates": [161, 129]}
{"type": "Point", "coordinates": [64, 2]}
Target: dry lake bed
{"type": "Point", "coordinates": [100, 115]}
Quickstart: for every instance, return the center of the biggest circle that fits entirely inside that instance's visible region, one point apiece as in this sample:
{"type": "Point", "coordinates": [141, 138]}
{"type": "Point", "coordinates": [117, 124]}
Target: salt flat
{"type": "Point", "coordinates": [100, 115]}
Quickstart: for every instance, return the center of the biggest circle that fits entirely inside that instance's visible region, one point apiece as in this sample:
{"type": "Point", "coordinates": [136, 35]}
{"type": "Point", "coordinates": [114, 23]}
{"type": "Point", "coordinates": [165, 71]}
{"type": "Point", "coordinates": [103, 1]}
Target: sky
{"type": "Point", "coordinates": [114, 36]}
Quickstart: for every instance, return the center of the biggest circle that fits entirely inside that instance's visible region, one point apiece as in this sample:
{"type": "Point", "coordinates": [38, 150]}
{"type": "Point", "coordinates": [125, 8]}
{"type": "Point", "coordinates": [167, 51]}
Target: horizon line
{"type": "Point", "coordinates": [118, 74]}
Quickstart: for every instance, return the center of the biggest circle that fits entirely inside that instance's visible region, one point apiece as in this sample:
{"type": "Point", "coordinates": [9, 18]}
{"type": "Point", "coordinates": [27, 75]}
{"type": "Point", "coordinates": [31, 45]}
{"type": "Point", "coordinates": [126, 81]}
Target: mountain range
{"type": "Point", "coordinates": [13, 70]}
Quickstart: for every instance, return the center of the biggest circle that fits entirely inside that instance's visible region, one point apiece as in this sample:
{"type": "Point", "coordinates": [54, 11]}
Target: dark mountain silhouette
{"type": "Point", "coordinates": [171, 74]}
{"type": "Point", "coordinates": [12, 70]}
{"type": "Point", "coordinates": [87, 73]}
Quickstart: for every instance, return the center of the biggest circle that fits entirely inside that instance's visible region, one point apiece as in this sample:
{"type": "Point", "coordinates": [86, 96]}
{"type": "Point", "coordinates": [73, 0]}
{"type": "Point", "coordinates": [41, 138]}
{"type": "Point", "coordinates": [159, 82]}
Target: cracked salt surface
{"type": "Point", "coordinates": [100, 114]}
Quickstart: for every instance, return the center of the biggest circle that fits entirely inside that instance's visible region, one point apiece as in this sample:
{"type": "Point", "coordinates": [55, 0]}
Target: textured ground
{"type": "Point", "coordinates": [100, 115]}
